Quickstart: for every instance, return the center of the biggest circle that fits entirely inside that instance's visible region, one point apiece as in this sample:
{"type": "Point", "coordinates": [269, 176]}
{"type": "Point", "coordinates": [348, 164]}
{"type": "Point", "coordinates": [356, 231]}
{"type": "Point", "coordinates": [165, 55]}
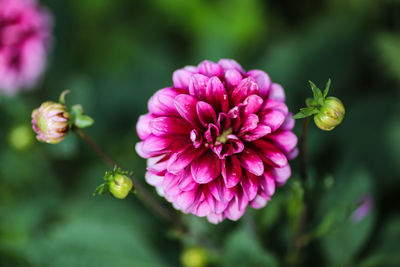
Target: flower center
{"type": "Point", "coordinates": [223, 137]}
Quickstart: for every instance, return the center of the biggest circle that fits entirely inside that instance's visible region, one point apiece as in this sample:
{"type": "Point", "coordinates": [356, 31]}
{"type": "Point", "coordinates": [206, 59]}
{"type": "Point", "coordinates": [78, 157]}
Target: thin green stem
{"type": "Point", "coordinates": [144, 195]}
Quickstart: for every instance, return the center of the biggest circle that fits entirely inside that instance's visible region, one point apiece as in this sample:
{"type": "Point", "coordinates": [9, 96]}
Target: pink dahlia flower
{"type": "Point", "coordinates": [24, 40]}
{"type": "Point", "coordinates": [218, 140]}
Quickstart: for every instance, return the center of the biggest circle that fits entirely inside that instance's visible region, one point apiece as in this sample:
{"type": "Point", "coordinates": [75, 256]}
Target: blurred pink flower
{"type": "Point", "coordinates": [24, 39]}
{"type": "Point", "coordinates": [218, 140]}
{"type": "Point", "coordinates": [366, 204]}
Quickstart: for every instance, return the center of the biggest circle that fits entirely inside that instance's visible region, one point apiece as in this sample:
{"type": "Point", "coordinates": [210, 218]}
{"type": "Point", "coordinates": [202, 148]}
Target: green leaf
{"type": "Point", "coordinates": [306, 112]}
{"type": "Point", "coordinates": [83, 121]}
{"type": "Point", "coordinates": [328, 85]}
{"type": "Point", "coordinates": [317, 93]}
{"type": "Point", "coordinates": [243, 249]}
{"type": "Point", "coordinates": [62, 96]}
{"type": "Point", "coordinates": [78, 119]}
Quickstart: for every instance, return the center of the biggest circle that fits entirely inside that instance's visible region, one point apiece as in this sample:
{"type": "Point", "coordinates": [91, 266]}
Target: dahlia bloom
{"type": "Point", "coordinates": [24, 40]}
{"type": "Point", "coordinates": [50, 122]}
{"type": "Point", "coordinates": [218, 140]}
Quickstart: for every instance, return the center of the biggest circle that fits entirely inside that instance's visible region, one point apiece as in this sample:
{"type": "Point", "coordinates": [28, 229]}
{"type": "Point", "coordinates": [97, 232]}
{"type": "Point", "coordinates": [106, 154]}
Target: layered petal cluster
{"type": "Point", "coordinates": [218, 140]}
{"type": "Point", "coordinates": [24, 40]}
{"type": "Point", "coordinates": [50, 122]}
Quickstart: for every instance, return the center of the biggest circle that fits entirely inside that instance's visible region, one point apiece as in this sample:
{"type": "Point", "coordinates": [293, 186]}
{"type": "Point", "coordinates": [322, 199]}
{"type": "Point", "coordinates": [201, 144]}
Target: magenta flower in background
{"type": "Point", "coordinates": [24, 41]}
{"type": "Point", "coordinates": [364, 209]}
{"type": "Point", "coordinates": [218, 140]}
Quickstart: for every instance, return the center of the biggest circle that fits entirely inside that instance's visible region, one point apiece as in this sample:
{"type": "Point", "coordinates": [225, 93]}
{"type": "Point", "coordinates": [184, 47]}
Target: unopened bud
{"type": "Point", "coordinates": [51, 122]}
{"type": "Point", "coordinates": [194, 257]}
{"type": "Point", "coordinates": [330, 115]}
{"type": "Point", "coordinates": [120, 186]}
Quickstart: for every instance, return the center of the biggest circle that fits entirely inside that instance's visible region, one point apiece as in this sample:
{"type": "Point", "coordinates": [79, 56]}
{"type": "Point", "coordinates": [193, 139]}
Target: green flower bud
{"type": "Point", "coordinates": [330, 115]}
{"type": "Point", "coordinates": [120, 186]}
{"type": "Point", "coordinates": [51, 122]}
{"type": "Point", "coordinates": [21, 137]}
{"type": "Point", "coordinates": [194, 257]}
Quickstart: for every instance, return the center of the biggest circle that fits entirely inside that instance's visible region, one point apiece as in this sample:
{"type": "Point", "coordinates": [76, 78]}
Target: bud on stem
{"type": "Point", "coordinates": [328, 111]}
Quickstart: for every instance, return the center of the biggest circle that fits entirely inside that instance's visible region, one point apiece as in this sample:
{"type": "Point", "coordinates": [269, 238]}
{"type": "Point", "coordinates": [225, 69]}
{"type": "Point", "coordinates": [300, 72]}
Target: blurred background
{"type": "Point", "coordinates": [113, 55]}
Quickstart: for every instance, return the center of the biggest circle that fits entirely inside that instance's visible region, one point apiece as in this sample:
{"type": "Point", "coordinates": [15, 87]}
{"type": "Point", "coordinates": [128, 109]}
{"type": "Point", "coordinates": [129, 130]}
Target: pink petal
{"type": "Point", "coordinates": [211, 133]}
{"type": "Point", "coordinates": [289, 122]}
{"type": "Point", "coordinates": [153, 179]}
{"type": "Point", "coordinates": [139, 150]}
{"type": "Point", "coordinates": [202, 209]}
{"type": "Point", "coordinates": [205, 168]}
{"type": "Point", "coordinates": [262, 79]}
{"type": "Point", "coordinates": [257, 133]}
{"type": "Point", "coordinates": [181, 159]}
{"type": "Point", "coordinates": [198, 86]}
{"type": "Point", "coordinates": [162, 102]}
{"type": "Point", "coordinates": [228, 64]}
{"type": "Point", "coordinates": [282, 174]}
{"type": "Point", "coordinates": [249, 184]}
{"type": "Point", "coordinates": [186, 182]}
{"type": "Point", "coordinates": [155, 145]}
{"type": "Point", "coordinates": [210, 68]}
{"type": "Point", "coordinates": [273, 119]}
{"type": "Point", "coordinates": [251, 161]}
{"type": "Point", "coordinates": [276, 105]}
{"type": "Point", "coordinates": [245, 88]}
{"type": "Point", "coordinates": [231, 171]}
{"type": "Point", "coordinates": [186, 106]}
{"type": "Point", "coordinates": [277, 93]}
{"type": "Point", "coordinates": [250, 123]}
{"type": "Point", "coordinates": [143, 126]}
{"type": "Point", "coordinates": [292, 154]}
{"type": "Point", "coordinates": [233, 78]}
{"type": "Point", "coordinates": [220, 191]}
{"type": "Point", "coordinates": [205, 113]}
{"type": "Point", "coordinates": [157, 165]}
{"type": "Point", "coordinates": [181, 78]}
{"type": "Point", "coordinates": [215, 218]}
{"type": "Point", "coordinates": [252, 104]}
{"type": "Point", "coordinates": [285, 140]}
{"type": "Point", "coordinates": [196, 138]}
{"type": "Point", "coordinates": [270, 153]}
{"type": "Point", "coordinates": [267, 183]}
{"type": "Point", "coordinates": [186, 200]}
{"type": "Point", "coordinates": [259, 202]}
{"type": "Point", "coordinates": [169, 126]}
{"type": "Point", "coordinates": [217, 95]}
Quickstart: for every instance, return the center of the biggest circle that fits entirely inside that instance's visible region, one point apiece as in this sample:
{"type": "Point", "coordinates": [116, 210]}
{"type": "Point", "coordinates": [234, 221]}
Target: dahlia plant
{"type": "Point", "coordinates": [24, 41]}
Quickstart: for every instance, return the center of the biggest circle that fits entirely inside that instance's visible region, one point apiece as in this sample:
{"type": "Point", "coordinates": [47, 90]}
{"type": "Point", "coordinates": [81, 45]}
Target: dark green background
{"type": "Point", "coordinates": [113, 55]}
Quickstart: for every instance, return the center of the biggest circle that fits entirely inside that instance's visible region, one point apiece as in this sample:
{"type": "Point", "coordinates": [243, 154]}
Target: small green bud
{"type": "Point", "coordinates": [21, 137]}
{"type": "Point", "coordinates": [120, 186]}
{"type": "Point", "coordinates": [194, 257]}
{"type": "Point", "coordinates": [330, 115]}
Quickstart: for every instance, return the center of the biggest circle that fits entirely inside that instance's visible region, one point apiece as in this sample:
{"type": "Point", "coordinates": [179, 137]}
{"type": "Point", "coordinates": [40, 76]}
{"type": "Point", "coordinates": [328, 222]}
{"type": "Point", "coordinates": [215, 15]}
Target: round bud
{"type": "Point", "coordinates": [51, 122]}
{"type": "Point", "coordinates": [330, 115]}
{"type": "Point", "coordinates": [194, 257]}
{"type": "Point", "coordinates": [21, 137]}
{"type": "Point", "coordinates": [120, 186]}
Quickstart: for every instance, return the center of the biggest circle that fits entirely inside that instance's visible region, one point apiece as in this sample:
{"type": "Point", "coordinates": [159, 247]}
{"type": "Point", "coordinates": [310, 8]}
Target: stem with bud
{"type": "Point", "coordinates": [143, 194]}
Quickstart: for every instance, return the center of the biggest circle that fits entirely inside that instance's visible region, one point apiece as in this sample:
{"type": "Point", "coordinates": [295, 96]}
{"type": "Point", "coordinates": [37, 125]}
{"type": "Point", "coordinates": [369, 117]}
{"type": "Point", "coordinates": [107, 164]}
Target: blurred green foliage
{"type": "Point", "coordinates": [113, 55]}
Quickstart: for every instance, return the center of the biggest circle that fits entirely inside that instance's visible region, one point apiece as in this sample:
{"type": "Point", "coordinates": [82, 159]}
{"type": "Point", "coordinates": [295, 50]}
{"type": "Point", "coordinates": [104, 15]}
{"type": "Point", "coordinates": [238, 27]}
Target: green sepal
{"type": "Point", "coordinates": [101, 189]}
{"type": "Point", "coordinates": [78, 119]}
{"type": "Point", "coordinates": [318, 97]}
{"type": "Point", "coordinates": [306, 112]}
{"type": "Point", "coordinates": [328, 85]}
{"type": "Point", "coordinates": [61, 99]}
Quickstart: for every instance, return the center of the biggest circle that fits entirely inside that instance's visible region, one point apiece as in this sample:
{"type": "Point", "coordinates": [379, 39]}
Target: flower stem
{"type": "Point", "coordinates": [143, 194]}
{"type": "Point", "coordinates": [303, 150]}
{"type": "Point", "coordinates": [299, 241]}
